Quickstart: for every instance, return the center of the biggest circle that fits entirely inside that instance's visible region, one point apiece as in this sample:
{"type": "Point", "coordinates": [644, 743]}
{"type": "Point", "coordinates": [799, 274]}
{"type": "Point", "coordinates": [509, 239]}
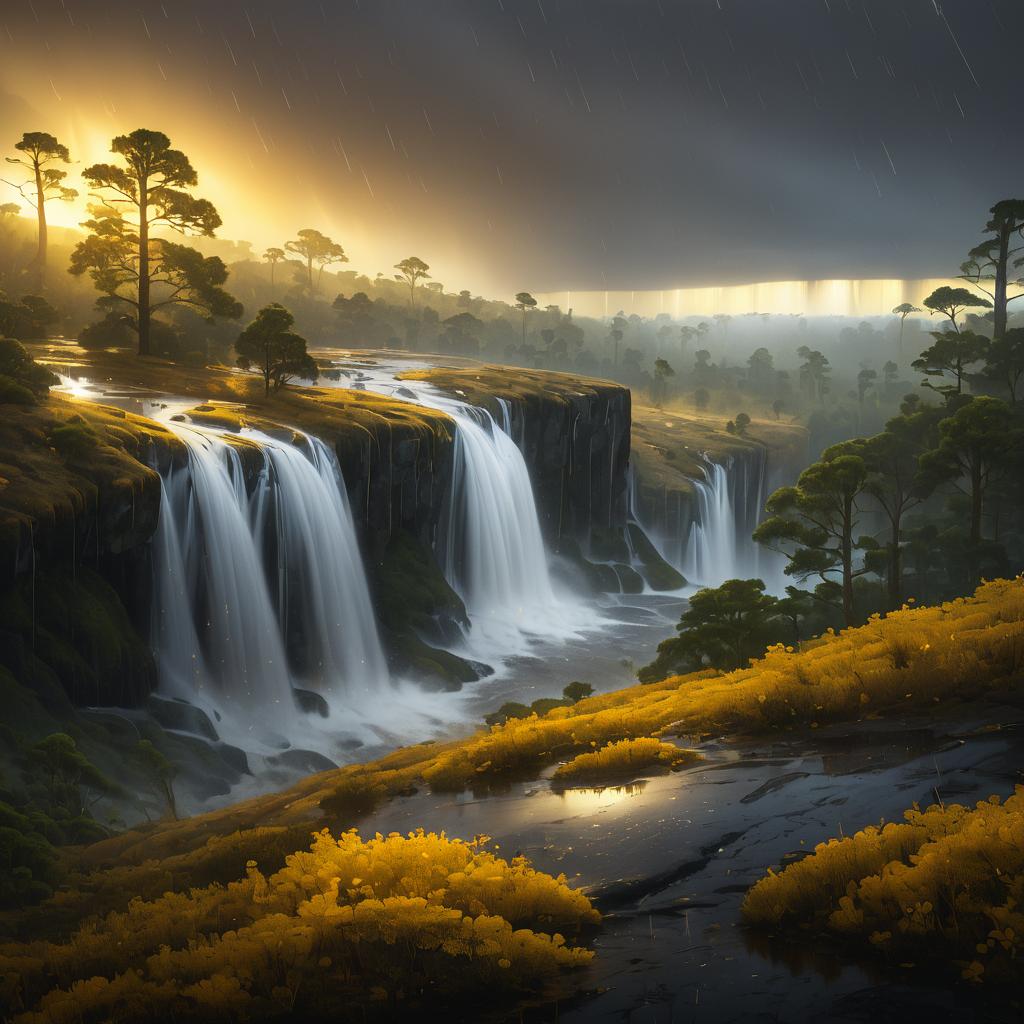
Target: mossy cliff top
{"type": "Point", "coordinates": [237, 399]}
{"type": "Point", "coordinates": [668, 443]}
{"type": "Point", "coordinates": [482, 384]}
{"type": "Point", "coordinates": [64, 460]}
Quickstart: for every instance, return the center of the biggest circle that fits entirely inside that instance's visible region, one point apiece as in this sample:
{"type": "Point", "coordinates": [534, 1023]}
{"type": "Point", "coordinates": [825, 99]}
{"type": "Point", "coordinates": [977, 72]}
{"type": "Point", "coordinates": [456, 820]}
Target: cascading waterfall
{"type": "Point", "coordinates": [711, 550]}
{"type": "Point", "coordinates": [221, 558]}
{"type": "Point", "coordinates": [323, 599]}
{"type": "Point", "coordinates": [208, 563]}
{"type": "Point", "coordinates": [495, 554]}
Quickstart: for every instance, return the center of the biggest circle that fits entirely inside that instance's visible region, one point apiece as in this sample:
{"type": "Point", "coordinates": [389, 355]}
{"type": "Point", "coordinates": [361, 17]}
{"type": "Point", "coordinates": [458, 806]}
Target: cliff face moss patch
{"type": "Point", "coordinates": [74, 481]}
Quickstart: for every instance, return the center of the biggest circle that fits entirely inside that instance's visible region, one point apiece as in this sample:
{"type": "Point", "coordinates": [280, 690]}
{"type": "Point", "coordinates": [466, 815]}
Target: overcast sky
{"type": "Point", "coordinates": [558, 144]}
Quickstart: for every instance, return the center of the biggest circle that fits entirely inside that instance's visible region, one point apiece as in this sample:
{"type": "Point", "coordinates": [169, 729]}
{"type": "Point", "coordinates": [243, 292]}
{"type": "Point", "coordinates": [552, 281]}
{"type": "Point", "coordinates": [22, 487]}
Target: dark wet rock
{"type": "Point", "coordinates": [309, 762]}
{"type": "Point", "coordinates": [181, 716]}
{"type": "Point", "coordinates": [310, 702]}
{"type": "Point", "coordinates": [630, 581]}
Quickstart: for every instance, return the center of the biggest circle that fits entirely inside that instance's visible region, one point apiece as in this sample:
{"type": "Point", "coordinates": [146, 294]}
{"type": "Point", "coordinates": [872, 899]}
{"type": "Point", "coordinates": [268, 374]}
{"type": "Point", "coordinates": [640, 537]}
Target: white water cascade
{"type": "Point", "coordinates": [495, 554]}
{"type": "Point", "coordinates": [710, 557]}
{"type": "Point", "coordinates": [248, 572]}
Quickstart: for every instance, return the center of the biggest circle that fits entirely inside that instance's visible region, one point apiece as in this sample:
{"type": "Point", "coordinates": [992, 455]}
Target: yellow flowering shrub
{"type": "Point", "coordinates": [948, 883]}
{"type": "Point", "coordinates": [370, 924]}
{"type": "Point", "coordinates": [619, 759]}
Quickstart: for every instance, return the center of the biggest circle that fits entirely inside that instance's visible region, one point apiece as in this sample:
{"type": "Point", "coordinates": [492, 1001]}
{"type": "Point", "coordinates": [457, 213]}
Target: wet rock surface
{"type": "Point", "coordinates": [668, 859]}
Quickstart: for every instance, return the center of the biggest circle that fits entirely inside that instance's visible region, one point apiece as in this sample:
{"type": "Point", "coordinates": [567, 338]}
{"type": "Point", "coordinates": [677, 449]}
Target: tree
{"type": "Point", "coordinates": [814, 373]}
{"type": "Point", "coordinates": [951, 302]}
{"type": "Point", "coordinates": [813, 523]}
{"type": "Point", "coordinates": [120, 255]}
{"type": "Point", "coordinates": [617, 333]}
{"type": "Point", "coordinates": [273, 256]}
{"type": "Point", "coordinates": [525, 302]}
{"type": "Point", "coordinates": [777, 407]}
{"type": "Point", "coordinates": [577, 691]}
{"type": "Point", "coordinates": [701, 399]}
{"type": "Point", "coordinates": [44, 183]}
{"type": "Point", "coordinates": [65, 771]}
{"type": "Point", "coordinates": [742, 423]}
{"type": "Point", "coordinates": [903, 310]}
{"type": "Point", "coordinates": [992, 259]}
{"type": "Point", "coordinates": [890, 371]}
{"type": "Point", "coordinates": [411, 270]}
{"type": "Point", "coordinates": [973, 447]}
{"type": "Point", "coordinates": [160, 771]}
{"type": "Point", "coordinates": [952, 352]}
{"type": "Point", "coordinates": [893, 480]}
{"type": "Point", "coordinates": [269, 344]}
{"type": "Point", "coordinates": [760, 369]}
{"type": "Point", "coordinates": [663, 372]}
{"type": "Point", "coordinates": [315, 247]}
{"type": "Point", "coordinates": [1004, 360]}
{"type": "Point", "coordinates": [723, 627]}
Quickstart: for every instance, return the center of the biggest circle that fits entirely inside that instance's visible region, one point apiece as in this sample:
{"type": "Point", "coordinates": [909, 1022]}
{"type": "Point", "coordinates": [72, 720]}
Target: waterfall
{"type": "Point", "coordinates": [711, 549]}
{"type": "Point", "coordinates": [258, 575]}
{"type": "Point", "coordinates": [207, 562]}
{"type": "Point", "coordinates": [323, 602]}
{"type": "Point", "coordinates": [495, 554]}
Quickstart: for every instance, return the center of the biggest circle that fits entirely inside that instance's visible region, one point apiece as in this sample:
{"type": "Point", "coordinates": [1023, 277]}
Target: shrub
{"type": "Point", "coordinates": [17, 365]}
{"type": "Point", "coordinates": [368, 925]}
{"type": "Point", "coordinates": [948, 883]}
{"type": "Point", "coordinates": [622, 760]}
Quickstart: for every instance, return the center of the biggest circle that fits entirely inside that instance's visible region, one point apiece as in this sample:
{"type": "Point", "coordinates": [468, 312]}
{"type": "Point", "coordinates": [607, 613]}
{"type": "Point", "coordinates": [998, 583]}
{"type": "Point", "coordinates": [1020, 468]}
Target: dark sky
{"type": "Point", "coordinates": [556, 144]}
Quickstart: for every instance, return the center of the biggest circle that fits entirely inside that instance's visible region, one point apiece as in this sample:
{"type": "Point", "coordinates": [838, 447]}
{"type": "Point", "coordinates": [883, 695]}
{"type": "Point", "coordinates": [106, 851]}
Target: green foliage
{"type": "Point", "coordinates": [953, 352]}
{"type": "Point", "coordinates": [115, 330]}
{"type": "Point", "coordinates": [129, 266]}
{"type": "Point", "coordinates": [723, 627]}
{"type": "Point", "coordinates": [813, 523]}
{"type": "Point", "coordinates": [269, 344]}
{"type": "Point", "coordinates": [951, 302]}
{"type": "Point", "coordinates": [20, 373]}
{"type": "Point", "coordinates": [577, 691]}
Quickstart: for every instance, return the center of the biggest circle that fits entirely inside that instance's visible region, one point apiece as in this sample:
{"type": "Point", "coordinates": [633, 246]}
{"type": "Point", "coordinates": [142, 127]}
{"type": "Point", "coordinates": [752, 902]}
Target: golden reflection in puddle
{"type": "Point", "coordinates": [586, 801]}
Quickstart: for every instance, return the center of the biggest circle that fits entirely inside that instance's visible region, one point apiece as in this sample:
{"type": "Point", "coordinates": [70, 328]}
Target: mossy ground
{"type": "Point", "coordinates": [668, 444]}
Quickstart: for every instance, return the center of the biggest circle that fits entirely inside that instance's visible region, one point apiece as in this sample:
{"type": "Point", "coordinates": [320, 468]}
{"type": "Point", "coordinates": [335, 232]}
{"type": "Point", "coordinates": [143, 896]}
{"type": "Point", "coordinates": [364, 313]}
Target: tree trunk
{"type": "Point", "coordinates": [143, 269]}
{"type": "Point", "coordinates": [40, 261]}
{"type": "Point", "coordinates": [895, 580]}
{"type": "Point", "coordinates": [999, 291]}
{"type": "Point", "coordinates": [309, 272]}
{"type": "Point", "coordinates": [847, 557]}
{"type": "Point", "coordinates": [976, 496]}
{"type": "Point", "coordinates": [266, 372]}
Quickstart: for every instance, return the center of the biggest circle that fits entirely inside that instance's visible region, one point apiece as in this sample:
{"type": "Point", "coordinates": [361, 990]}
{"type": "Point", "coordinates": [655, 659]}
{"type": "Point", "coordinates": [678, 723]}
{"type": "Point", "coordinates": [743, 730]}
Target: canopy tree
{"type": "Point", "coordinates": [893, 480]}
{"type": "Point", "coordinates": [814, 373]}
{"type": "Point", "coordinates": [315, 247]}
{"type": "Point", "coordinates": [525, 302]}
{"type": "Point", "coordinates": [121, 255]}
{"type": "Point", "coordinates": [952, 352]}
{"type": "Point", "coordinates": [991, 263]}
{"type": "Point", "coordinates": [813, 524]}
{"type": "Point", "coordinates": [44, 183]}
{"type": "Point", "coordinates": [974, 446]}
{"type": "Point", "coordinates": [1004, 361]}
{"type": "Point", "coordinates": [903, 310]}
{"type": "Point", "coordinates": [722, 627]}
{"type": "Point", "coordinates": [951, 302]}
{"type": "Point", "coordinates": [410, 271]}
{"type": "Point", "coordinates": [273, 255]}
{"type": "Point", "coordinates": [270, 345]}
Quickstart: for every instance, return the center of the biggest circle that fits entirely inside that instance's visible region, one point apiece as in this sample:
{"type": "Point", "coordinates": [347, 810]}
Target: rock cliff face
{"type": "Point", "coordinates": [80, 487]}
{"type": "Point", "coordinates": [574, 433]}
